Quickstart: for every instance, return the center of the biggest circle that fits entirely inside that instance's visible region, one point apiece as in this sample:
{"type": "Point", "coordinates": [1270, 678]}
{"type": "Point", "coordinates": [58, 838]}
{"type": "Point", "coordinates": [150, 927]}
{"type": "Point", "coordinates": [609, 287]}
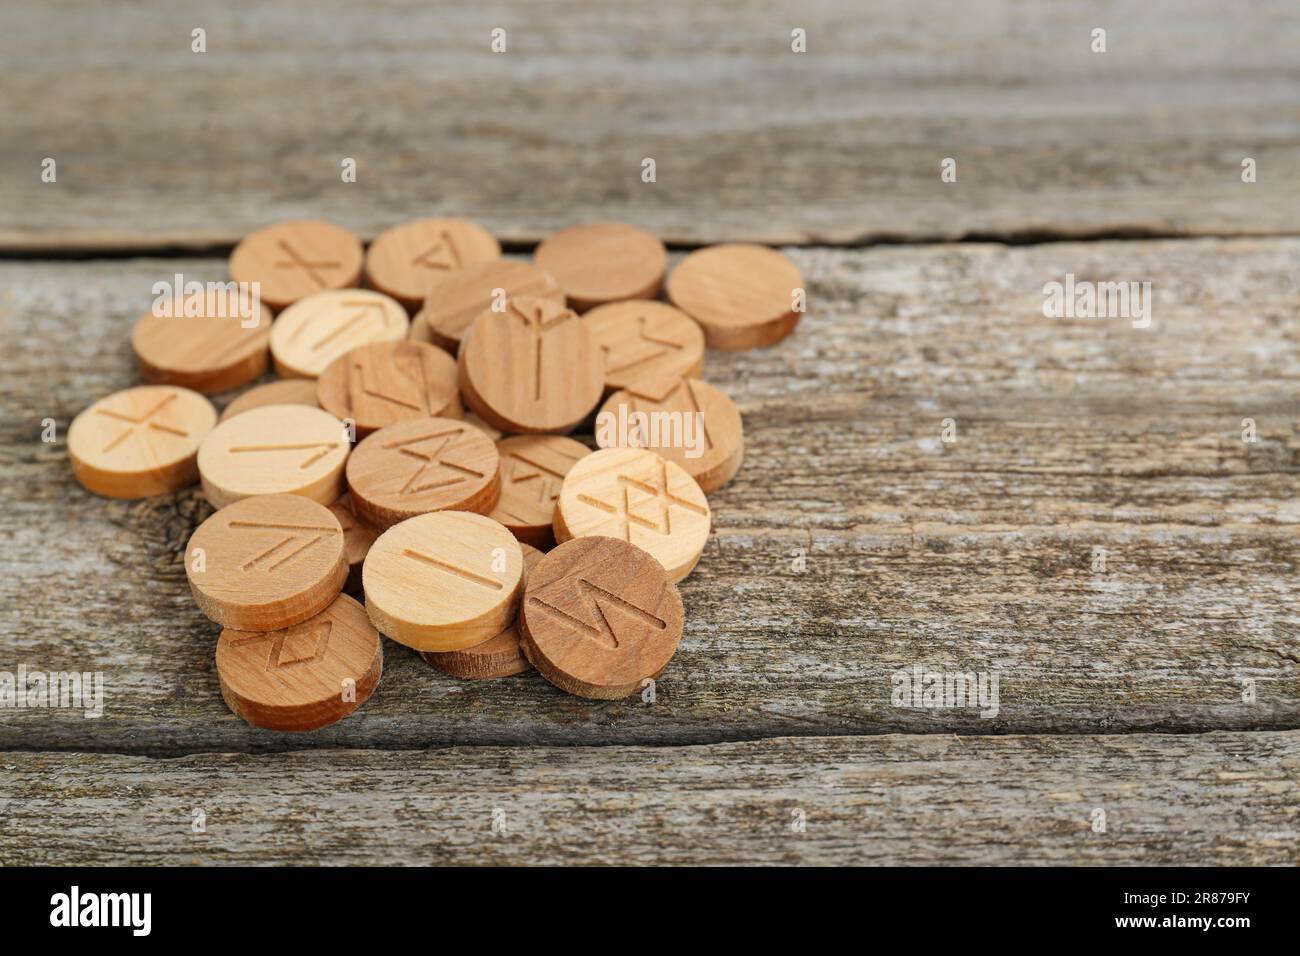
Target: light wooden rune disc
{"type": "Point", "coordinates": [460, 298]}
{"type": "Point", "coordinates": [689, 422]}
{"type": "Point", "coordinates": [386, 382]}
{"type": "Point", "coordinates": [292, 260]}
{"type": "Point", "coordinates": [312, 333]}
{"type": "Point", "coordinates": [208, 343]}
{"type": "Point", "coordinates": [408, 261]}
{"type": "Point", "coordinates": [284, 391]}
{"type": "Point", "coordinates": [423, 465]}
{"type": "Point", "coordinates": [141, 441]}
{"type": "Point", "coordinates": [266, 562]}
{"type": "Point", "coordinates": [531, 368]}
{"type": "Point", "coordinates": [501, 656]}
{"type": "Point", "coordinates": [305, 676]}
{"type": "Point", "coordinates": [443, 581]}
{"type": "Point", "coordinates": [599, 616]}
{"type": "Point", "coordinates": [644, 340]}
{"type": "Point", "coordinates": [532, 469]}
{"type": "Point", "coordinates": [276, 449]}
{"type": "Point", "coordinates": [602, 262]}
{"type": "Point", "coordinates": [743, 295]}
{"type": "Point", "coordinates": [357, 539]}
{"type": "Point", "coordinates": [636, 495]}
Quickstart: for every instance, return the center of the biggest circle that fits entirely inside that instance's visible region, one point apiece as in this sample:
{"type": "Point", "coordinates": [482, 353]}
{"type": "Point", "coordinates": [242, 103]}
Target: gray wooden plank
{"type": "Point", "coordinates": [1072, 435]}
{"type": "Point", "coordinates": [1216, 799]}
{"type": "Point", "coordinates": [157, 145]}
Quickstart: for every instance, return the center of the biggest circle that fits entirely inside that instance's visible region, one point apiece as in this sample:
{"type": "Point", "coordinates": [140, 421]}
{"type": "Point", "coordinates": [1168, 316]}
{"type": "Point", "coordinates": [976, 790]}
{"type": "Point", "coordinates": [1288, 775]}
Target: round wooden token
{"type": "Point", "coordinates": [141, 441]}
{"type": "Point", "coordinates": [500, 656]}
{"type": "Point", "coordinates": [689, 422]}
{"type": "Point", "coordinates": [532, 469]}
{"type": "Point", "coordinates": [285, 391]}
{"type": "Point", "coordinates": [292, 260]}
{"type": "Point", "coordinates": [443, 581]}
{"type": "Point", "coordinates": [463, 295]}
{"type": "Point", "coordinates": [276, 449]}
{"type": "Point", "coordinates": [311, 334]}
{"type": "Point", "coordinates": [428, 464]}
{"type": "Point", "coordinates": [599, 616]}
{"type": "Point", "coordinates": [386, 382]}
{"type": "Point", "coordinates": [266, 562]}
{"type": "Point", "coordinates": [209, 343]}
{"type": "Point", "coordinates": [357, 539]}
{"type": "Point", "coordinates": [409, 260]}
{"type": "Point", "coordinates": [636, 495]}
{"type": "Point", "coordinates": [531, 368]}
{"type": "Point", "coordinates": [743, 295]}
{"type": "Point", "coordinates": [646, 340]}
{"type": "Point", "coordinates": [602, 262]}
{"type": "Point", "coordinates": [302, 677]}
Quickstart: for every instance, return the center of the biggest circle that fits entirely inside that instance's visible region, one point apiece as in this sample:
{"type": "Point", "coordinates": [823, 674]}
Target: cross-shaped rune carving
{"type": "Point", "coordinates": [436, 467]}
{"type": "Point", "coordinates": [142, 423]}
{"type": "Point", "coordinates": [659, 498]}
{"type": "Point", "coordinates": [296, 261]}
{"type": "Point", "coordinates": [303, 644]}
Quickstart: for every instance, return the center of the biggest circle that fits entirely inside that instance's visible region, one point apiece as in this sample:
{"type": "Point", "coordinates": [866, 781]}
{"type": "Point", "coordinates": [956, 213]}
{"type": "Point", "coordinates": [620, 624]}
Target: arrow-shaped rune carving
{"type": "Point", "coordinates": [141, 423]}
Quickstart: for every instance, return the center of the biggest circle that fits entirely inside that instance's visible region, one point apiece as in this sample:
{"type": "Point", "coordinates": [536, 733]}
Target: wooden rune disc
{"type": "Point", "coordinates": [305, 676]}
{"type": "Point", "coordinates": [291, 260]}
{"type": "Point", "coordinates": [312, 333]}
{"type": "Point", "coordinates": [599, 616]}
{"type": "Point", "coordinates": [140, 441]}
{"type": "Point", "coordinates": [275, 449]}
{"type": "Point", "coordinates": [386, 382]}
{"type": "Point", "coordinates": [466, 293]}
{"type": "Point", "coordinates": [443, 581]}
{"type": "Point", "coordinates": [532, 368]}
{"type": "Point", "coordinates": [284, 391]}
{"type": "Point", "coordinates": [645, 340]}
{"type": "Point", "coordinates": [743, 295]}
{"type": "Point", "coordinates": [266, 562]}
{"type": "Point", "coordinates": [408, 261]}
{"type": "Point", "coordinates": [423, 465]}
{"type": "Point", "coordinates": [357, 539]}
{"type": "Point", "coordinates": [532, 469]}
{"type": "Point", "coordinates": [639, 497]}
{"type": "Point", "coordinates": [501, 656]}
{"type": "Point", "coordinates": [602, 262]}
{"type": "Point", "coordinates": [206, 343]}
{"type": "Point", "coordinates": [689, 422]}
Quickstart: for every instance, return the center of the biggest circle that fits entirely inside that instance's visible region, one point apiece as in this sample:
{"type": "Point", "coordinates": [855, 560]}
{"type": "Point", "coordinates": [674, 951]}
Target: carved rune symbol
{"type": "Point", "coordinates": [538, 325]}
{"type": "Point", "coordinates": [682, 394]}
{"type": "Point", "coordinates": [659, 499]}
{"type": "Point", "coordinates": [296, 261]}
{"type": "Point", "coordinates": [321, 449]}
{"type": "Point", "coordinates": [638, 352]}
{"type": "Point", "coordinates": [436, 466]}
{"type": "Point", "coordinates": [366, 311]}
{"type": "Point", "coordinates": [302, 644]}
{"type": "Point", "coordinates": [143, 423]}
{"type": "Point", "coordinates": [594, 600]}
{"type": "Point", "coordinates": [548, 479]}
{"type": "Point", "coordinates": [276, 556]}
{"type": "Point", "coordinates": [463, 573]}
{"type": "Point", "coordinates": [442, 255]}
{"type": "Point", "coordinates": [362, 385]}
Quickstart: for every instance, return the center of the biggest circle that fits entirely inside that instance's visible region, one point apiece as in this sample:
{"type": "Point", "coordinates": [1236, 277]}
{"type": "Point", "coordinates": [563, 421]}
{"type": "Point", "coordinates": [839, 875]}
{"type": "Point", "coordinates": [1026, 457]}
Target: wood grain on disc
{"type": "Point", "coordinates": [463, 295]}
{"type": "Point", "coordinates": [206, 343]}
{"type": "Point", "coordinates": [639, 497]}
{"type": "Point", "coordinates": [599, 616]}
{"type": "Point", "coordinates": [386, 382]}
{"type": "Point", "coordinates": [140, 441]}
{"type": "Point", "coordinates": [500, 656]}
{"type": "Point", "coordinates": [602, 262]}
{"type": "Point", "coordinates": [743, 295]}
{"type": "Point", "coordinates": [266, 562]}
{"type": "Point", "coordinates": [423, 465]}
{"type": "Point", "coordinates": [443, 581]}
{"type": "Point", "coordinates": [646, 339]}
{"type": "Point", "coordinates": [532, 469]}
{"type": "Point", "coordinates": [687, 421]}
{"type": "Point", "coordinates": [285, 391]}
{"type": "Point", "coordinates": [408, 261]}
{"type": "Point", "coordinates": [305, 676]}
{"type": "Point", "coordinates": [312, 333]}
{"type": "Point", "coordinates": [532, 368]}
{"type": "Point", "coordinates": [291, 260]}
{"type": "Point", "coordinates": [275, 449]}
{"type": "Point", "coordinates": [357, 539]}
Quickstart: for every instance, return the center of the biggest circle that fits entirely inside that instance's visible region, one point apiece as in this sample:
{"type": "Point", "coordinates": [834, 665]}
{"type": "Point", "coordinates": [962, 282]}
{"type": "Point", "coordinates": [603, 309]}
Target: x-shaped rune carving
{"type": "Point", "coordinates": [141, 423]}
{"type": "Point", "coordinates": [296, 261]}
{"type": "Point", "coordinates": [434, 468]}
{"type": "Point", "coordinates": [660, 498]}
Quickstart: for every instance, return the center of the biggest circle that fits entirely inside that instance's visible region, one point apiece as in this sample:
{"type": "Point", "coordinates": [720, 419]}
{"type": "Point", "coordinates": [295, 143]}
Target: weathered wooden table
{"type": "Point", "coordinates": [1090, 524]}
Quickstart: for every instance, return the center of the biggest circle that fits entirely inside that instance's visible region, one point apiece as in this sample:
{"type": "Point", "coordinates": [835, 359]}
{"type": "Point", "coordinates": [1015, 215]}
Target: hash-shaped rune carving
{"type": "Point", "coordinates": [653, 493]}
